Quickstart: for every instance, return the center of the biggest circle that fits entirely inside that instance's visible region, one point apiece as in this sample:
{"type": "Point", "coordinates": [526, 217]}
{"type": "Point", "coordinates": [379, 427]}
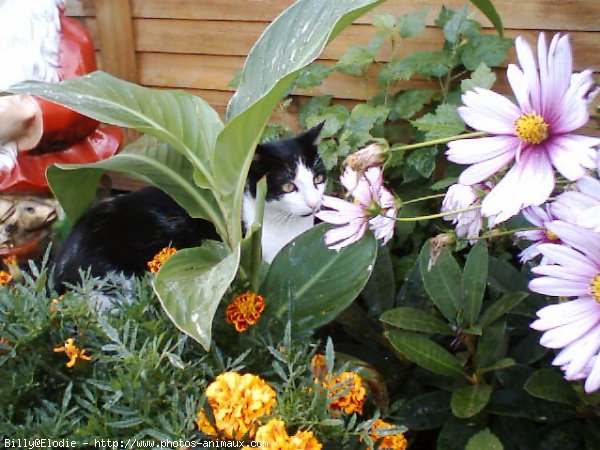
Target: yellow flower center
{"type": "Point", "coordinates": [551, 236]}
{"type": "Point", "coordinates": [531, 128]}
{"type": "Point", "coordinates": [595, 288]}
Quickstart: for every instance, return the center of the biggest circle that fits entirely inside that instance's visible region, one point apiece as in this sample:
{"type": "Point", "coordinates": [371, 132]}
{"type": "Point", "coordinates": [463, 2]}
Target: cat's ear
{"type": "Point", "coordinates": [311, 135]}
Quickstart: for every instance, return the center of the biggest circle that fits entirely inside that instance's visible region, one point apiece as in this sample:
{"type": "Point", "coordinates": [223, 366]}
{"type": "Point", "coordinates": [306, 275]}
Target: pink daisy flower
{"type": "Point", "coordinates": [573, 326]}
{"type": "Point", "coordinates": [373, 207]}
{"type": "Point", "coordinates": [534, 134]}
{"type": "Point", "coordinates": [581, 207]}
{"type": "Point", "coordinates": [538, 217]}
{"type": "Point", "coordinates": [468, 223]}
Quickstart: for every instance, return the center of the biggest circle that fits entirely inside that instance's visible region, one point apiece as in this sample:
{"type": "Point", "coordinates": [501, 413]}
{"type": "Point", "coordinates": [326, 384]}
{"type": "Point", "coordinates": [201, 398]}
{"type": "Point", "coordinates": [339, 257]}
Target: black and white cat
{"type": "Point", "coordinates": [123, 233]}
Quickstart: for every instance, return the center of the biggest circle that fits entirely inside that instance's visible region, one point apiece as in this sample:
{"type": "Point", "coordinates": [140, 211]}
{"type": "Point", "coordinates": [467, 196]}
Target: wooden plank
{"type": "Point", "coordinates": [532, 15]}
{"type": "Point", "coordinates": [236, 39]}
{"type": "Point", "coordinates": [115, 38]}
{"type": "Point", "coordinates": [80, 8]}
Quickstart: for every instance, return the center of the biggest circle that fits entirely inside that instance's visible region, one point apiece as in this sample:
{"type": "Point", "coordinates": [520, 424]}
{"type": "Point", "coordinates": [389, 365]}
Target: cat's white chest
{"type": "Point", "coordinates": [278, 228]}
{"type": "Point", "coordinates": [277, 235]}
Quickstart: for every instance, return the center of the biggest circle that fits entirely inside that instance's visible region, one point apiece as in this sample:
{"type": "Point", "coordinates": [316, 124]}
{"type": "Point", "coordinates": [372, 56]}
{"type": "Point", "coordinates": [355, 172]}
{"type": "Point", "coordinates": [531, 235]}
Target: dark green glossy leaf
{"type": "Point", "coordinates": [310, 284]}
{"type": "Point", "coordinates": [549, 384]}
{"type": "Point", "coordinates": [443, 282]}
{"type": "Point", "coordinates": [426, 411]}
{"type": "Point", "coordinates": [503, 363]}
{"type": "Point", "coordinates": [455, 434]}
{"type": "Point", "coordinates": [484, 440]}
{"type": "Point", "coordinates": [470, 400]}
{"type": "Point", "coordinates": [500, 307]}
{"type": "Point", "coordinates": [380, 290]}
{"type": "Point", "coordinates": [490, 344]}
{"type": "Point", "coordinates": [415, 320]}
{"type": "Point", "coordinates": [190, 285]}
{"type": "Point", "coordinates": [475, 281]}
{"type": "Point", "coordinates": [425, 353]}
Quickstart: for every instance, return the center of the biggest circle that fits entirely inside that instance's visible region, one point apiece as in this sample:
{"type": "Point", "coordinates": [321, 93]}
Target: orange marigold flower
{"type": "Point", "coordinates": [72, 352]}
{"type": "Point", "coordinates": [237, 402]}
{"type": "Point", "coordinates": [274, 433]}
{"type": "Point", "coordinates": [5, 278]}
{"type": "Point", "coordinates": [389, 442]}
{"type": "Point", "coordinates": [318, 366]}
{"type": "Point", "coordinates": [349, 397]}
{"type": "Point", "coordinates": [55, 302]}
{"type": "Point", "coordinates": [245, 310]}
{"type": "Point", "coordinates": [160, 258]}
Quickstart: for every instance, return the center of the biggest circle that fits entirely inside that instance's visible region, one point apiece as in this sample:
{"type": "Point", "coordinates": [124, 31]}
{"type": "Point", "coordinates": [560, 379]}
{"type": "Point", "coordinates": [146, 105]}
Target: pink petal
{"type": "Point", "coordinates": [565, 162]}
{"type": "Point", "coordinates": [529, 182]}
{"type": "Point", "coordinates": [469, 151]}
{"type": "Point", "coordinates": [527, 62]}
{"type": "Point", "coordinates": [563, 313]}
{"type": "Point", "coordinates": [485, 169]}
{"type": "Point", "coordinates": [560, 272]}
{"type": "Point", "coordinates": [558, 288]}
{"type": "Point", "coordinates": [338, 238]}
{"type": "Point", "coordinates": [520, 87]}
{"type": "Point", "coordinates": [555, 80]}
{"type": "Point", "coordinates": [592, 383]}
{"type": "Point", "coordinates": [567, 257]}
{"type": "Point", "coordinates": [488, 111]}
{"type": "Point", "coordinates": [566, 334]}
{"type": "Point", "coordinates": [587, 348]}
{"type": "Point", "coordinates": [582, 239]}
{"type": "Point", "coordinates": [573, 106]}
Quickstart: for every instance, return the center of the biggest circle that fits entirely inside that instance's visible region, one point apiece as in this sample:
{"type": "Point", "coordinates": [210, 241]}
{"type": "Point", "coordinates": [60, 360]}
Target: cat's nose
{"type": "Point", "coordinates": [315, 206]}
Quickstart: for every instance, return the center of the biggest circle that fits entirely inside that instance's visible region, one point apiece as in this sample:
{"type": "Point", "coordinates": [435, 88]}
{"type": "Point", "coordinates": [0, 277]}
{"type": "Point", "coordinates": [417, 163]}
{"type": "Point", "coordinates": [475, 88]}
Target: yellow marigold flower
{"type": "Point", "coordinates": [72, 352]}
{"type": "Point", "coordinates": [354, 398]}
{"type": "Point", "coordinates": [305, 440]}
{"type": "Point", "coordinates": [237, 402]}
{"type": "Point", "coordinates": [160, 258]}
{"type": "Point", "coordinates": [389, 442]}
{"type": "Point", "coordinates": [5, 278]}
{"type": "Point", "coordinates": [245, 310]}
{"type": "Point", "coordinates": [274, 433]}
{"type": "Point", "coordinates": [204, 425]}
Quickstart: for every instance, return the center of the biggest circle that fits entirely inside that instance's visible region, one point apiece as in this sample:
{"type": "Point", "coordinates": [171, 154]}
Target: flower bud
{"type": "Point", "coordinates": [370, 156]}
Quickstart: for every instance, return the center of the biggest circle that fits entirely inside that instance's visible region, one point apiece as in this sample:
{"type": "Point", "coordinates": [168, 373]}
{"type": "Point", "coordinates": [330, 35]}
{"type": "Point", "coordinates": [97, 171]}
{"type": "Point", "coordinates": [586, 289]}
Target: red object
{"type": "Point", "coordinates": [68, 136]}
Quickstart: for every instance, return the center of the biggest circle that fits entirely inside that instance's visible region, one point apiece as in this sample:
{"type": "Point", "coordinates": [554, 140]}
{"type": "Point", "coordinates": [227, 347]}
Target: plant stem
{"type": "Point", "coordinates": [435, 216]}
{"type": "Point", "coordinates": [421, 199]}
{"type": "Point", "coordinates": [505, 233]}
{"type": "Point", "coordinates": [439, 141]}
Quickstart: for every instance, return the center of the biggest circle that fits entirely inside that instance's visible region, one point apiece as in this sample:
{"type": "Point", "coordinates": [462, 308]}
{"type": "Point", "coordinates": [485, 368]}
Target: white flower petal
{"type": "Point", "coordinates": [469, 151]}
{"type": "Point", "coordinates": [486, 110]}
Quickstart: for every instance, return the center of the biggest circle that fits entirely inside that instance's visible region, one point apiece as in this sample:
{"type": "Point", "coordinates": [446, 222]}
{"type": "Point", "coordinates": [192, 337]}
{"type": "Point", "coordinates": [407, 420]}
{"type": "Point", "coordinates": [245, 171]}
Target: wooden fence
{"type": "Point", "coordinates": [198, 45]}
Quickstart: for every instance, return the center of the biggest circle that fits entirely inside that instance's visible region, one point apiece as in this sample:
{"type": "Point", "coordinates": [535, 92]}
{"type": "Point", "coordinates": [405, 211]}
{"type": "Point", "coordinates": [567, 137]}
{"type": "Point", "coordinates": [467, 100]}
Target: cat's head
{"type": "Point", "coordinates": [295, 174]}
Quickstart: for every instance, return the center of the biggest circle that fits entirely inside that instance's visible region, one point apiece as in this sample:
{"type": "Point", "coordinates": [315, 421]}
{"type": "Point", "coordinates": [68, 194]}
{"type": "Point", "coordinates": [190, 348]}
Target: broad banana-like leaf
{"type": "Point", "coordinates": [310, 285]}
{"type": "Point", "coordinates": [184, 121]}
{"type": "Point", "coordinates": [291, 42]}
{"type": "Point", "coordinates": [147, 159]}
{"type": "Point", "coordinates": [191, 284]}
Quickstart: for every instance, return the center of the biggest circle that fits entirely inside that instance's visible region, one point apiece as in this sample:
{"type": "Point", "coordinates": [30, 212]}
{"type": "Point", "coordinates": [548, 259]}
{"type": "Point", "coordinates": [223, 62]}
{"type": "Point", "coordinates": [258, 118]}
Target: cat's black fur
{"type": "Point", "coordinates": [123, 233]}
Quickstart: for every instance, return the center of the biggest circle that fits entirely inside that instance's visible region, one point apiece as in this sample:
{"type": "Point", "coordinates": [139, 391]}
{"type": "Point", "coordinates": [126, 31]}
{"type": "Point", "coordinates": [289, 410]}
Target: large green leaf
{"type": "Point", "coordinates": [414, 319]}
{"type": "Point", "coordinates": [425, 353]}
{"type": "Point", "coordinates": [191, 283]}
{"type": "Point", "coordinates": [443, 283]}
{"type": "Point", "coordinates": [147, 159]}
{"type": "Point", "coordinates": [469, 400]}
{"type": "Point", "coordinates": [310, 285]}
{"type": "Point", "coordinates": [291, 42]}
{"type": "Point", "coordinates": [549, 384]}
{"type": "Point", "coordinates": [186, 122]}
{"type": "Point", "coordinates": [474, 281]}
{"type": "Point", "coordinates": [484, 440]}
{"type": "Point", "coordinates": [501, 306]}
{"type": "Point", "coordinates": [487, 8]}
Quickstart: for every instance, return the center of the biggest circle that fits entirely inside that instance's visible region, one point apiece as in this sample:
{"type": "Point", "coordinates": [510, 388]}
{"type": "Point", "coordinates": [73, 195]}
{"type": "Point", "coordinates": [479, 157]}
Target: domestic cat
{"type": "Point", "coordinates": [123, 233]}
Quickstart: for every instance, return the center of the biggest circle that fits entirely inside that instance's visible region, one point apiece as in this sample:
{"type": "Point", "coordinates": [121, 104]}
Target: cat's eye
{"type": "Point", "coordinates": [320, 178]}
{"type": "Point", "coordinates": [288, 187]}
